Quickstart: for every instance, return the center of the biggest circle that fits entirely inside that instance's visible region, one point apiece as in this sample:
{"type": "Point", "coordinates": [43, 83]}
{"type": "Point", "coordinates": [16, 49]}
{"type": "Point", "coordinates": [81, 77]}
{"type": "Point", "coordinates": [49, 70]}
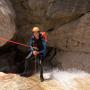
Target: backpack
{"type": "Point", "coordinates": [44, 36]}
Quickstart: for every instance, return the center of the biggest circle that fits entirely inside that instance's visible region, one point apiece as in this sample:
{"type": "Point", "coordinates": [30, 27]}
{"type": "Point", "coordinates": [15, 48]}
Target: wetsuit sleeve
{"type": "Point", "coordinates": [30, 44]}
{"type": "Point", "coordinates": [44, 47]}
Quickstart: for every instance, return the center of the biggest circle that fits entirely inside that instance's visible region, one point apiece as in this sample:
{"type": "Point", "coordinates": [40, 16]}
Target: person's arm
{"type": "Point", "coordinates": [44, 47]}
{"type": "Point", "coordinates": [30, 44]}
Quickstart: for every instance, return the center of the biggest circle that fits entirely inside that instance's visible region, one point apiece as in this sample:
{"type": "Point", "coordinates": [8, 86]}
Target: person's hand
{"type": "Point", "coordinates": [38, 52]}
{"type": "Point", "coordinates": [35, 48]}
{"type": "Point", "coordinates": [35, 53]}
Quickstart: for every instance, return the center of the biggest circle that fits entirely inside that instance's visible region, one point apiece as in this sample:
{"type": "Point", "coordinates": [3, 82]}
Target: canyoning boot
{"type": "Point", "coordinates": [41, 78]}
{"type": "Point", "coordinates": [24, 74]}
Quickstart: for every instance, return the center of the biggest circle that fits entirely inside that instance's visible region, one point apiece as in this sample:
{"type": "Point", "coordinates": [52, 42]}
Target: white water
{"type": "Point", "coordinates": [66, 78]}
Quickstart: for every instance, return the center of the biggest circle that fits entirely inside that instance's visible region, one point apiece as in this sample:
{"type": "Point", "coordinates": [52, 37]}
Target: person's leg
{"type": "Point", "coordinates": [28, 61]}
{"type": "Point", "coordinates": [41, 69]}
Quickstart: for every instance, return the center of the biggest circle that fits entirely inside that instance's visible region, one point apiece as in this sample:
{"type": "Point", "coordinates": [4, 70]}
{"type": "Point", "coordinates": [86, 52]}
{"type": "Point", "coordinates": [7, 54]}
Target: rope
{"type": "Point", "coordinates": [17, 43]}
{"type": "Point", "coordinates": [35, 64]}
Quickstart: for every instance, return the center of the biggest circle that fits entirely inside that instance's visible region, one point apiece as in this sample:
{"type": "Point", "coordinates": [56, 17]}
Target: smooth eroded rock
{"type": "Point", "coordinates": [7, 24]}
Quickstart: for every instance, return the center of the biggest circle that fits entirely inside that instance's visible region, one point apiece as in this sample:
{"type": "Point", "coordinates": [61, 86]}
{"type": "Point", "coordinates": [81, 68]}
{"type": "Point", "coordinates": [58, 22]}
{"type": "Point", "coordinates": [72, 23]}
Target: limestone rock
{"type": "Point", "coordinates": [7, 24]}
{"type": "Point", "coordinates": [47, 14]}
{"type": "Point", "coordinates": [72, 60]}
{"type": "Point", "coordinates": [73, 36]}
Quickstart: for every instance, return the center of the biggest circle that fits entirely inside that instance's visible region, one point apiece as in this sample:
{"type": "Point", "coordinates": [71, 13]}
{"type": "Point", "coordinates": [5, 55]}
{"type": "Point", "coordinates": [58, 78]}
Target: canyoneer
{"type": "Point", "coordinates": [38, 50]}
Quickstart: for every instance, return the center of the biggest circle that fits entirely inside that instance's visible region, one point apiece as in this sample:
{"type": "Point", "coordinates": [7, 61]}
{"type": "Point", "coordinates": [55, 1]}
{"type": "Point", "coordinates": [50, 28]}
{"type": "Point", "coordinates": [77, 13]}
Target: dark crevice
{"type": "Point", "coordinates": [50, 30]}
{"type": "Point", "coordinates": [79, 16]}
{"type": "Point", "coordinates": [22, 4]}
{"type": "Point", "coordinates": [49, 63]}
{"type": "Point", "coordinates": [51, 52]}
{"type": "Point", "coordinates": [16, 58]}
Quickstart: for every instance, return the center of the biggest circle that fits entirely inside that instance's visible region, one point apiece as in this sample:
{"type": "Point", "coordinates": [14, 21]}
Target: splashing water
{"type": "Point", "coordinates": [67, 78]}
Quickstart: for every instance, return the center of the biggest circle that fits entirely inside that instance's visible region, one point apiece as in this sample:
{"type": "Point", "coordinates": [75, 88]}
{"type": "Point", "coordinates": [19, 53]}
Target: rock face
{"type": "Point", "coordinates": [43, 12]}
{"type": "Point", "coordinates": [48, 14]}
{"type": "Point", "coordinates": [73, 36]}
{"type": "Point", "coordinates": [7, 24]}
{"type": "Point", "coordinates": [72, 60]}
{"type": "Point", "coordinates": [67, 23]}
